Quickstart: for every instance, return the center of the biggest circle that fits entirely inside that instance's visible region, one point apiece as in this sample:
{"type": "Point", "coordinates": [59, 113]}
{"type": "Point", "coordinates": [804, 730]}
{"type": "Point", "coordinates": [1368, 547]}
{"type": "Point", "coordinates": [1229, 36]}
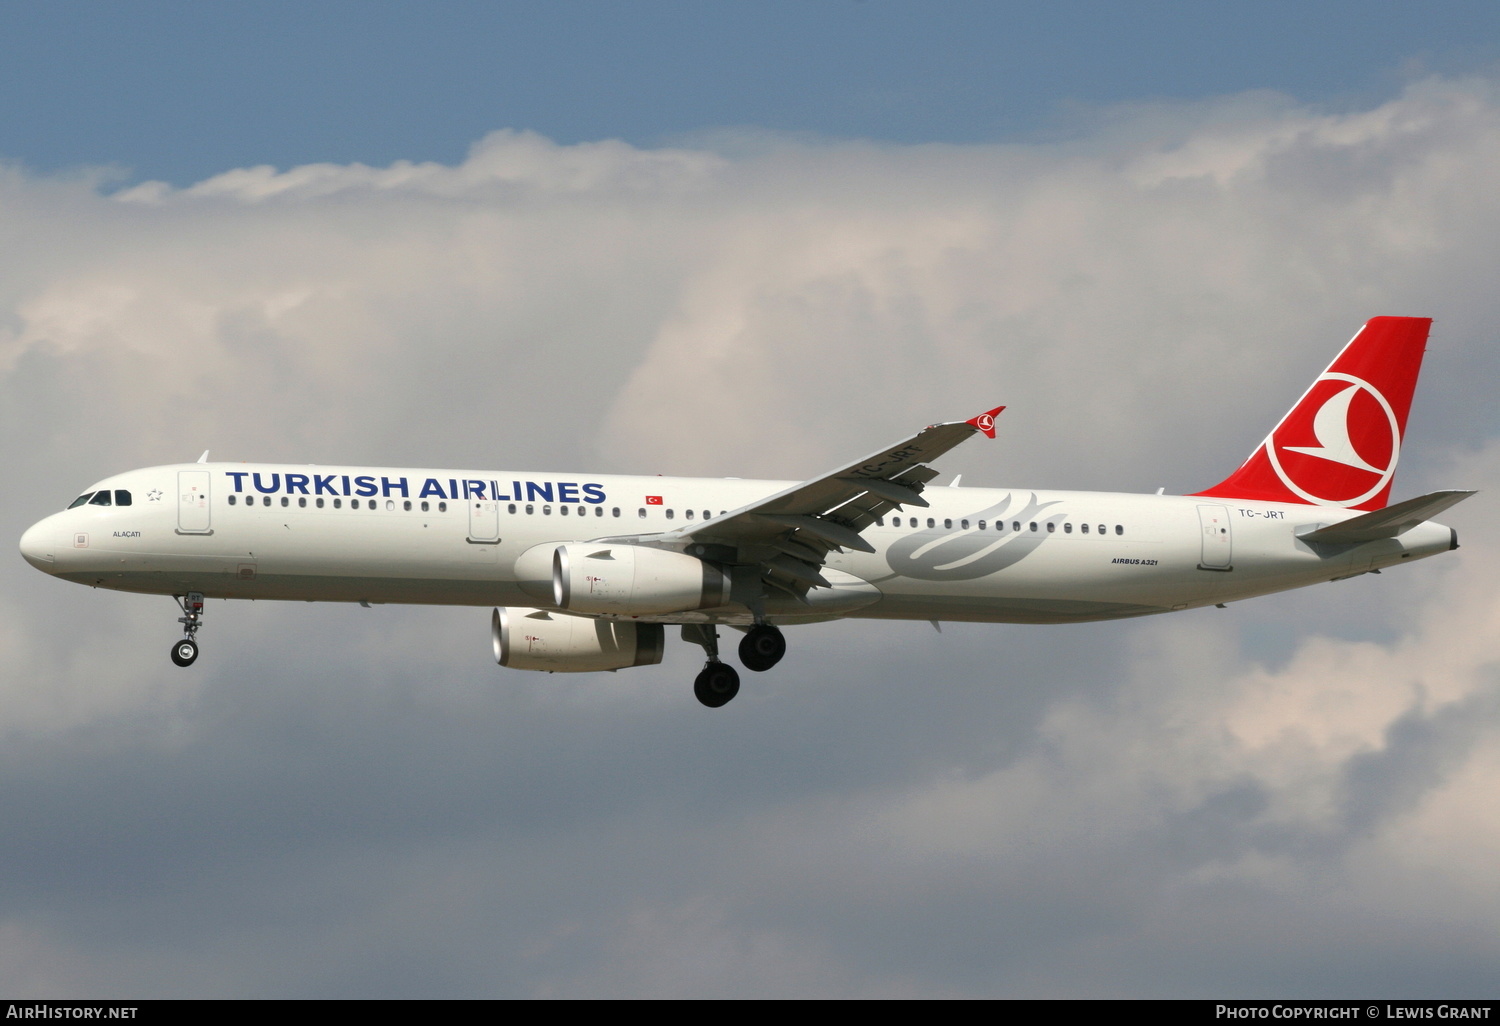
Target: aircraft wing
{"type": "Point", "coordinates": [790, 534]}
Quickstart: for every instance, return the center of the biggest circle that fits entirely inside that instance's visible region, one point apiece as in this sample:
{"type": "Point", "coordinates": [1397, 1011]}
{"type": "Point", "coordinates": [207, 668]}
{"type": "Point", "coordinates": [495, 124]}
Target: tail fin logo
{"type": "Point", "coordinates": [1353, 426]}
{"type": "Point", "coordinates": [1339, 444]}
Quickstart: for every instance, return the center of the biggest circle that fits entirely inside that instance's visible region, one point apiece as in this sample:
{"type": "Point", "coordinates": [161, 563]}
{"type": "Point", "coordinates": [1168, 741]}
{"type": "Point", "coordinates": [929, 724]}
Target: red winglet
{"type": "Point", "coordinates": [985, 422]}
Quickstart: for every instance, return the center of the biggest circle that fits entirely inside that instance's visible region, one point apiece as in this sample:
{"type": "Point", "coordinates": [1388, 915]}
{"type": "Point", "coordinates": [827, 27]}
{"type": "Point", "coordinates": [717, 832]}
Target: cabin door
{"type": "Point", "coordinates": [1218, 538]}
{"type": "Point", "coordinates": [193, 505]}
{"type": "Point", "coordinates": [484, 521]}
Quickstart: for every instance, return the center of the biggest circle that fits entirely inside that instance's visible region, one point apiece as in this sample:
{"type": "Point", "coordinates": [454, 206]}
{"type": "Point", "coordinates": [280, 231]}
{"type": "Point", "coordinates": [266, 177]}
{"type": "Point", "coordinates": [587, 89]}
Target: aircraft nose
{"type": "Point", "coordinates": [37, 545]}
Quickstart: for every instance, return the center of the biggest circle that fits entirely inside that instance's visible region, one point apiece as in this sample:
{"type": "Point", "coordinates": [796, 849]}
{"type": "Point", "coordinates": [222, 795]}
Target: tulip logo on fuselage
{"type": "Point", "coordinates": [943, 554]}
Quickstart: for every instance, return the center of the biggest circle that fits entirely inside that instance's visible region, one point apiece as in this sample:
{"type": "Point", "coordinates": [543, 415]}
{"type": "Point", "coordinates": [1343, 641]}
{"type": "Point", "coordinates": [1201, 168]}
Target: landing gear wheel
{"type": "Point", "coordinates": [762, 648]}
{"type": "Point", "coordinates": [716, 685]}
{"type": "Point", "coordinates": [184, 652]}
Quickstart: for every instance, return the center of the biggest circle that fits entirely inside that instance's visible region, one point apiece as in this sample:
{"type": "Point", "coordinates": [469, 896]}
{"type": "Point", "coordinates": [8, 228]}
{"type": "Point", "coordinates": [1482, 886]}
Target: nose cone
{"type": "Point", "coordinates": [38, 547]}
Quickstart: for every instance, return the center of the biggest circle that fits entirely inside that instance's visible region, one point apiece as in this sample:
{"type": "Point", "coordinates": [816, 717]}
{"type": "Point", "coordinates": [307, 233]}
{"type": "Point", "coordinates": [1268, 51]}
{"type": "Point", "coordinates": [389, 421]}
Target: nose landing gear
{"type": "Point", "coordinates": [185, 652]}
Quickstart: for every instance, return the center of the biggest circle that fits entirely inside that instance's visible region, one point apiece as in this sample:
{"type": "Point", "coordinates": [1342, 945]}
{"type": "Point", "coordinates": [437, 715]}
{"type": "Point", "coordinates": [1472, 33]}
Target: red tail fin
{"type": "Point", "coordinates": [1339, 445]}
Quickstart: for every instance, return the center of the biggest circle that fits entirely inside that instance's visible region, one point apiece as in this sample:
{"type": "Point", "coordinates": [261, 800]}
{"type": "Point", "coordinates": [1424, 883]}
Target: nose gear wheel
{"type": "Point", "coordinates": [185, 652]}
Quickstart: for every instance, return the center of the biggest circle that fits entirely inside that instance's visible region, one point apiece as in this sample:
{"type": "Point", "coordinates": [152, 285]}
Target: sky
{"type": "Point", "coordinates": [747, 240]}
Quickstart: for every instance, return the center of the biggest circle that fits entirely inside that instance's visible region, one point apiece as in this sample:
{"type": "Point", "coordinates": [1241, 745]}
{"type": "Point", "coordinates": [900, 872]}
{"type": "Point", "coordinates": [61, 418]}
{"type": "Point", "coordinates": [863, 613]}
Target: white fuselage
{"type": "Point", "coordinates": [359, 534]}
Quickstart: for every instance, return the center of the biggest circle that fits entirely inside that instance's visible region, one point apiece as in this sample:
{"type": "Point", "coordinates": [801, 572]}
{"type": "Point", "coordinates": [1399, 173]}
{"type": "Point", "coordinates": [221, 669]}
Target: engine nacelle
{"type": "Point", "coordinates": [534, 639]}
{"type": "Point", "coordinates": [634, 580]}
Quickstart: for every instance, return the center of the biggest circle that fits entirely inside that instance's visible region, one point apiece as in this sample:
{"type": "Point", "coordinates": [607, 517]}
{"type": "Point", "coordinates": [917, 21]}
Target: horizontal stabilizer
{"type": "Point", "coordinates": [1384, 523]}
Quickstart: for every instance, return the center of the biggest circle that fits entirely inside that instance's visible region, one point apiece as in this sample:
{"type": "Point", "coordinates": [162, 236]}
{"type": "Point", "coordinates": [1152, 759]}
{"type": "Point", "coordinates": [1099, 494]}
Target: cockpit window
{"type": "Point", "coordinates": [122, 497]}
{"type": "Point", "coordinates": [101, 498]}
{"type": "Point", "coordinates": [85, 497]}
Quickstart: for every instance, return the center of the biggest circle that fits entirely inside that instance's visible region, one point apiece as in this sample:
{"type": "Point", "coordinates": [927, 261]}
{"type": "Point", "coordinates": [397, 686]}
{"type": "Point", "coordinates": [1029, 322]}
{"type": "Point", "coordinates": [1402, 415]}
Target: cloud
{"type": "Point", "coordinates": [1287, 797]}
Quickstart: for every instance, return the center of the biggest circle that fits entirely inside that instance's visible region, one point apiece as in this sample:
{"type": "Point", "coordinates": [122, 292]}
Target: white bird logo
{"type": "Point", "coordinates": [1331, 428]}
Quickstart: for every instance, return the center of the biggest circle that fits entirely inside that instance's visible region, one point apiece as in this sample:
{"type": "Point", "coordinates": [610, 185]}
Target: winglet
{"type": "Point", "coordinates": [204, 457]}
{"type": "Point", "coordinates": [985, 422]}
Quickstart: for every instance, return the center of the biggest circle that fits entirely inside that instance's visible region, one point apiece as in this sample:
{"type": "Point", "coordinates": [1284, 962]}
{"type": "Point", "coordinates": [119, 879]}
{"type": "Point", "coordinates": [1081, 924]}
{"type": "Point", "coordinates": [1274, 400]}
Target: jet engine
{"type": "Point", "coordinates": [534, 639]}
{"type": "Point", "coordinates": [634, 580]}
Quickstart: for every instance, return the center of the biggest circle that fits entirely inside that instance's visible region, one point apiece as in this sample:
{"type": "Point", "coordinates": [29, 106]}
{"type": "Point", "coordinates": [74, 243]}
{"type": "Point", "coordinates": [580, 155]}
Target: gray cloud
{"type": "Point", "coordinates": [1293, 796]}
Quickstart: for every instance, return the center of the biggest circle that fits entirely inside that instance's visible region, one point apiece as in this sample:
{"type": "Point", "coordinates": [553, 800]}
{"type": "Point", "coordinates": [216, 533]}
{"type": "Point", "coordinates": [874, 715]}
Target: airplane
{"type": "Point", "coordinates": [586, 572]}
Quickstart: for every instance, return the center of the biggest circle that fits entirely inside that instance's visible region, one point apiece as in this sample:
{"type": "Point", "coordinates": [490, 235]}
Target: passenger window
{"type": "Point", "coordinates": [442, 507]}
{"type": "Point", "coordinates": [931, 522]}
{"type": "Point", "coordinates": [338, 503]}
{"type": "Point", "coordinates": [948, 524]}
{"type": "Point", "coordinates": [354, 504]}
{"type": "Point", "coordinates": [1102, 529]}
{"type": "Point", "coordinates": [424, 505]}
{"type": "Point", "coordinates": [407, 506]}
{"type": "Point", "coordinates": [1051, 527]}
{"type": "Point", "coordinates": [285, 501]}
{"type": "Point", "coordinates": [1119, 529]}
{"type": "Point", "coordinates": [562, 511]}
{"type": "Point", "coordinates": [1015, 525]}
{"type": "Point", "coordinates": [1033, 525]}
{"type": "Point", "coordinates": [122, 497]}
{"type": "Point", "coordinates": [964, 524]}
{"type": "Point", "coordinates": [511, 508]}
{"type": "Point", "coordinates": [688, 514]}
{"type": "Point", "coordinates": [1067, 528]}
{"type": "Point", "coordinates": [981, 525]}
{"type": "Point", "coordinates": [100, 499]}
{"type": "Point", "coordinates": [879, 521]}
{"type": "Point", "coordinates": [231, 501]}
{"type": "Point", "coordinates": [1084, 528]}
{"type": "Point", "coordinates": [85, 497]}
{"type": "Point", "coordinates": [546, 511]}
{"type": "Point", "coordinates": [643, 512]}
{"type": "Point", "coordinates": [671, 514]}
{"type": "Point", "coordinates": [615, 512]}
{"type": "Point", "coordinates": [302, 502]}
{"type": "Point", "coordinates": [319, 501]}
{"type": "Point", "coordinates": [390, 505]}
{"type": "Point", "coordinates": [598, 511]}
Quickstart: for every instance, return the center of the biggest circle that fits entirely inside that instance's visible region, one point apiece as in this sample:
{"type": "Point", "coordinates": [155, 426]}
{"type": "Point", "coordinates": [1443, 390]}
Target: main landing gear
{"type": "Point", "coordinates": [718, 682]}
{"type": "Point", "coordinates": [185, 651]}
{"type": "Point", "coordinates": [762, 648]}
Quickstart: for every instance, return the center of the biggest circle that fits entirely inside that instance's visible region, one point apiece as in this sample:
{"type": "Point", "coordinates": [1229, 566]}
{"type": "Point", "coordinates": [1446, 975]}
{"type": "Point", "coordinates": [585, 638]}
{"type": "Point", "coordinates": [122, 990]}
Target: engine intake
{"type": "Point", "coordinates": [534, 639]}
{"type": "Point", "coordinates": [634, 580]}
